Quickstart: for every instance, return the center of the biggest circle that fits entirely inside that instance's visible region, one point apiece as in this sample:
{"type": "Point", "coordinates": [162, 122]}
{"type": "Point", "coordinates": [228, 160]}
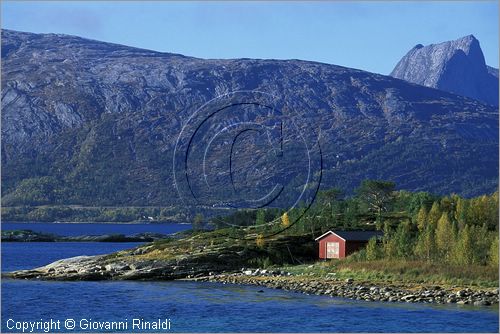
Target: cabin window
{"type": "Point", "coordinates": [332, 250]}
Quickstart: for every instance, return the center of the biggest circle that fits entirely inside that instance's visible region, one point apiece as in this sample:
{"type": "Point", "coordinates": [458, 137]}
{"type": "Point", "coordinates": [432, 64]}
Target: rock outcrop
{"type": "Point", "coordinates": [455, 66]}
{"type": "Point", "coordinates": [173, 259]}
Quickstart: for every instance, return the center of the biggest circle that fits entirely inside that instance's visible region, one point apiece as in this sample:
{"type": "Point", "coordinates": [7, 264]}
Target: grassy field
{"type": "Point", "coordinates": [398, 271]}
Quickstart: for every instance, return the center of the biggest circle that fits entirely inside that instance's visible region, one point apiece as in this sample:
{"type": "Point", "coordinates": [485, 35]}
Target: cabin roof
{"type": "Point", "coordinates": [353, 235]}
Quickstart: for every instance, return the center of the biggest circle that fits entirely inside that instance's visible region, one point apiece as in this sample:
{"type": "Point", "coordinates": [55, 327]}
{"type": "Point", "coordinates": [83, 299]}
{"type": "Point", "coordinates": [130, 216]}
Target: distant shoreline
{"type": "Point", "coordinates": [98, 214]}
{"type": "Point", "coordinates": [32, 236]}
{"type": "Point", "coordinates": [94, 222]}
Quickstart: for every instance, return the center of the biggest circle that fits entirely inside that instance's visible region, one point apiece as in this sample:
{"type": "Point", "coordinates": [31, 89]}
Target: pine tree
{"type": "Point", "coordinates": [377, 195]}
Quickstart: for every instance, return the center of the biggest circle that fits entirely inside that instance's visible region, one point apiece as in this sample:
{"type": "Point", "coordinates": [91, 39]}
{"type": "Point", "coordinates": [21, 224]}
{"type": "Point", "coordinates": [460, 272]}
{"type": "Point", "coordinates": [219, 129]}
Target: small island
{"type": "Point", "coordinates": [32, 236]}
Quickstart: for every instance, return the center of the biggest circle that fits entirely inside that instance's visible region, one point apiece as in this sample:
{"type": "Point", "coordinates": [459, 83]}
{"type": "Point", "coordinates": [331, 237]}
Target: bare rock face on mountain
{"type": "Point", "coordinates": [93, 123]}
{"type": "Point", "coordinates": [454, 66]}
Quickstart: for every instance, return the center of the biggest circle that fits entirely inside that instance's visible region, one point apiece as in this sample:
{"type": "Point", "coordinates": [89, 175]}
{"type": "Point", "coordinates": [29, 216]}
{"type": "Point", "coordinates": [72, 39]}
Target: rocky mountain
{"type": "Point", "coordinates": [454, 66]}
{"type": "Point", "coordinates": [92, 123]}
{"type": "Point", "coordinates": [493, 71]}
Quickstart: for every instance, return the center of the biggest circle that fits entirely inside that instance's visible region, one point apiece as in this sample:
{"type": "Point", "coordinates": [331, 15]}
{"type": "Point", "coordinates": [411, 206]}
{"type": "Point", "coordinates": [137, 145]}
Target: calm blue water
{"type": "Point", "coordinates": [68, 229]}
{"type": "Point", "coordinates": [209, 307]}
{"type": "Point", "coordinates": [27, 255]}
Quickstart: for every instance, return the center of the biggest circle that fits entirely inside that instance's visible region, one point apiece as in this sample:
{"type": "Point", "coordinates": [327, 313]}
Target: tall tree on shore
{"type": "Point", "coordinates": [445, 237]}
{"type": "Point", "coordinates": [377, 195]}
{"type": "Point", "coordinates": [404, 240]}
{"type": "Point", "coordinates": [434, 214]}
{"type": "Point", "coordinates": [493, 253]}
{"type": "Point", "coordinates": [481, 242]}
{"type": "Point", "coordinates": [426, 245]}
{"type": "Point", "coordinates": [390, 248]}
{"type": "Point", "coordinates": [351, 213]}
{"type": "Point", "coordinates": [461, 213]}
{"type": "Point", "coordinates": [329, 200]}
{"type": "Point", "coordinates": [421, 219]}
{"type": "Point", "coordinates": [463, 252]}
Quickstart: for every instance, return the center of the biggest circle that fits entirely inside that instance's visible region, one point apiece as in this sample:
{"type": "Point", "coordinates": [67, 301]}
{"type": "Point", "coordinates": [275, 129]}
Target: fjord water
{"type": "Point", "coordinates": [210, 307]}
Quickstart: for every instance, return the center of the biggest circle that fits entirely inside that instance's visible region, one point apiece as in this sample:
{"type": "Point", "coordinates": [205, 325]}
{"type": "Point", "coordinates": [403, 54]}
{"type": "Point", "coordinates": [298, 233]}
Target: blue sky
{"type": "Point", "coordinates": [368, 35]}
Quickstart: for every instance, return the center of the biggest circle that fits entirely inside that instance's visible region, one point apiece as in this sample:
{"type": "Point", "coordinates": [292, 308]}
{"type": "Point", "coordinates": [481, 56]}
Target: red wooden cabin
{"type": "Point", "coordinates": [339, 244]}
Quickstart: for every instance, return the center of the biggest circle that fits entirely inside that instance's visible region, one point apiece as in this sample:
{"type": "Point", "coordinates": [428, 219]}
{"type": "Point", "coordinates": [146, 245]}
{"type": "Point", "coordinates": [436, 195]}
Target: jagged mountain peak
{"type": "Point", "coordinates": [456, 66]}
{"type": "Point", "coordinates": [469, 45]}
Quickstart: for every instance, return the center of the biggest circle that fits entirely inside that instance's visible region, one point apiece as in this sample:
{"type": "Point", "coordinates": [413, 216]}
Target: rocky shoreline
{"type": "Point", "coordinates": [93, 268]}
{"type": "Point", "coordinates": [105, 267]}
{"type": "Point", "coordinates": [220, 259]}
{"type": "Point", "coordinates": [351, 289]}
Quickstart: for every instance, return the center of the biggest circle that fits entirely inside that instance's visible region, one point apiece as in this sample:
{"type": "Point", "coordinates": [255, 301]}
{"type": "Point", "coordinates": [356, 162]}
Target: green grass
{"type": "Point", "coordinates": [402, 272]}
{"type": "Point", "coordinates": [425, 272]}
